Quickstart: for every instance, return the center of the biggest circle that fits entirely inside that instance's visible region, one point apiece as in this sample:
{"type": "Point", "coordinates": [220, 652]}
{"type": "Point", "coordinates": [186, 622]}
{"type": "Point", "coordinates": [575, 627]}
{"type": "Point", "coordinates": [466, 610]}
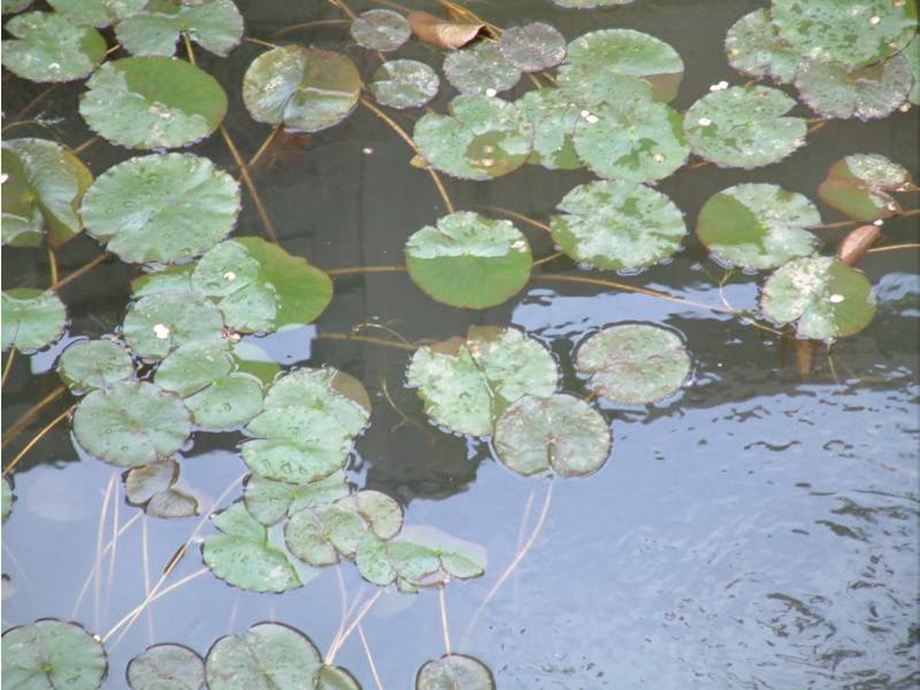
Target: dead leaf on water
{"type": "Point", "coordinates": [442, 32]}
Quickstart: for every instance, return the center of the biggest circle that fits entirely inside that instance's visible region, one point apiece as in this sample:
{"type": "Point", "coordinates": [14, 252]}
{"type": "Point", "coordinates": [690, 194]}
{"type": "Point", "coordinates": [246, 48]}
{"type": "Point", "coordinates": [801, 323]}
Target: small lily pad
{"type": "Point", "coordinates": [404, 84]}
{"type": "Point", "coordinates": [228, 403]}
{"type": "Point", "coordinates": [31, 319]}
{"type": "Point", "coordinates": [166, 667]}
{"type": "Point", "coordinates": [458, 671]}
{"type": "Point", "coordinates": [152, 487]}
{"type": "Point", "coordinates": [754, 48]}
{"type": "Point", "coordinates": [301, 88]}
{"type": "Point", "coordinates": [481, 69]}
{"type": "Point", "coordinates": [425, 556]}
{"type": "Point", "coordinates": [859, 186]}
{"type": "Point", "coordinates": [558, 433]}
{"type": "Point", "coordinates": [52, 654]}
{"type": "Point", "coordinates": [215, 25]}
{"type": "Point", "coordinates": [193, 366]}
{"type": "Point", "coordinates": [51, 48]}
{"type": "Point", "coordinates": [268, 500]}
{"type": "Point", "coordinates": [468, 260]}
{"type": "Point", "coordinates": [554, 117]}
{"type": "Point", "coordinates": [634, 363]}
{"type": "Point", "coordinates": [533, 47]}
{"type": "Point", "coordinates": [744, 127]}
{"type": "Point", "coordinates": [98, 13]}
{"type": "Point", "coordinates": [758, 225]}
{"type": "Point", "coordinates": [612, 225]}
{"type": "Point", "coordinates": [176, 278]}
{"type": "Point", "coordinates": [372, 560]}
{"type": "Point", "coordinates": [8, 498]}
{"type": "Point", "coordinates": [866, 93]}
{"type": "Point", "coordinates": [90, 364]}
{"type": "Point", "coordinates": [157, 324]}
{"type": "Point", "coordinates": [382, 30]}
{"type": "Point", "coordinates": [826, 298]}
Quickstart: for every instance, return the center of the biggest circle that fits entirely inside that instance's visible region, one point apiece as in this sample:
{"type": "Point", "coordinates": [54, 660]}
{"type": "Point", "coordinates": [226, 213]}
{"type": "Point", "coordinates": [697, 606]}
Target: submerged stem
{"type": "Point", "coordinates": [85, 145]}
{"type": "Point", "coordinates": [85, 268]}
{"type": "Point", "coordinates": [307, 25]}
{"type": "Point", "coordinates": [337, 643]}
{"type": "Point", "coordinates": [442, 597]}
{"type": "Point", "coordinates": [6, 372]}
{"type": "Point", "coordinates": [355, 270]}
{"type": "Point", "coordinates": [35, 439]}
{"type": "Point", "coordinates": [53, 265]}
{"type": "Point", "coordinates": [264, 147]}
{"type": "Point", "coordinates": [20, 424]}
{"type": "Point", "coordinates": [260, 42]}
{"type": "Point", "coordinates": [894, 247]}
{"type": "Point", "coordinates": [518, 216]}
{"type": "Point", "coordinates": [250, 185]}
{"type": "Point", "coordinates": [366, 339]}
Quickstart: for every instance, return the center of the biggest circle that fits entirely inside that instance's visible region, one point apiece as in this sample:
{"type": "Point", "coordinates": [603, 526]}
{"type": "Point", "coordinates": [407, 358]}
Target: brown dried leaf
{"type": "Point", "coordinates": [857, 243]}
{"type": "Point", "coordinates": [441, 32]}
{"type": "Point", "coordinates": [804, 356]}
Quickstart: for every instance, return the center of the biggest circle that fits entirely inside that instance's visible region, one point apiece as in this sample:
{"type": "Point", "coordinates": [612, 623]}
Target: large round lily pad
{"type": "Point", "coordinates": [31, 319]}
{"type": "Point", "coordinates": [89, 364]}
{"type": "Point", "coordinates": [866, 93]}
{"type": "Point", "coordinates": [98, 13]}
{"type": "Point", "coordinates": [166, 667]}
{"type": "Point", "coordinates": [532, 47]}
{"type": "Point", "coordinates": [611, 224]}
{"type": "Point", "coordinates": [157, 324]}
{"type": "Point", "coordinates": [590, 85]}
{"type": "Point", "coordinates": [215, 25]}
{"type": "Point", "coordinates": [481, 69]}
{"type": "Point", "coordinates": [193, 366]}
{"type": "Point", "coordinates": [554, 117]}
{"type": "Point", "coordinates": [458, 671]}
{"type": "Point", "coordinates": [153, 102]}
{"type": "Point", "coordinates": [824, 297]}
{"type": "Point", "coordinates": [754, 48]}
{"type": "Point", "coordinates": [52, 654]}
{"type": "Point", "coordinates": [51, 48]}
{"type": "Point", "coordinates": [860, 186]}
{"type": "Point", "coordinates": [404, 84]}
{"type": "Point", "coordinates": [383, 30]}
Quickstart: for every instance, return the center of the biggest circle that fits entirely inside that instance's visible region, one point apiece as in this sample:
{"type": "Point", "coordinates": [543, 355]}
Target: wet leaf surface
{"type": "Point", "coordinates": [269, 500]}
{"type": "Point", "coordinates": [382, 30]}
{"type": "Point", "coordinates": [481, 70]}
{"type": "Point", "coordinates": [153, 487]}
{"type": "Point", "coordinates": [51, 48]}
{"type": "Point", "coordinates": [533, 47]}
{"type": "Point", "coordinates": [215, 25]}
{"type": "Point", "coordinates": [32, 318]}
{"type": "Point", "coordinates": [158, 324]}
{"type": "Point", "coordinates": [458, 671]}
{"type": "Point", "coordinates": [554, 117]}
{"type": "Point", "coordinates": [860, 185]}
{"type": "Point", "coordinates": [440, 32]}
{"type": "Point", "coordinates": [90, 364]}
{"type": "Point", "coordinates": [268, 656]}
{"type": "Point", "coordinates": [404, 84]}
{"type": "Point", "coordinates": [425, 556]}
{"type": "Point", "coordinates": [754, 48]}
{"type": "Point", "coordinates": [166, 667]}
{"type": "Point", "coordinates": [98, 13]}
{"type": "Point", "coordinates": [52, 654]}
{"type": "Point", "coordinates": [865, 93]}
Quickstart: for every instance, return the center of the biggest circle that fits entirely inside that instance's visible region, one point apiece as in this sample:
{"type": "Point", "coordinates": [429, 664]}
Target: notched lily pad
{"type": "Point", "coordinates": [158, 324]}
{"type": "Point", "coordinates": [268, 500]}
{"type": "Point", "coordinates": [90, 364]}
{"type": "Point", "coordinates": [192, 366]}
{"type": "Point", "coordinates": [859, 186]}
{"type": "Point", "coordinates": [166, 667]}
{"type": "Point", "coordinates": [31, 319]}
{"type": "Point", "coordinates": [52, 654]}
{"type": "Point", "coordinates": [865, 93]}
{"type": "Point", "coordinates": [554, 117]}
{"type": "Point", "coordinates": [215, 25]}
{"type": "Point", "coordinates": [481, 69]}
{"type": "Point", "coordinates": [229, 402]}
{"type": "Point", "coordinates": [51, 48]}
{"type": "Point", "coordinates": [153, 488]}
{"type": "Point", "coordinates": [533, 47]}
{"type": "Point", "coordinates": [754, 48]}
{"type": "Point", "coordinates": [98, 13]}
{"type": "Point", "coordinates": [425, 556]}
{"type": "Point", "coordinates": [382, 30]}
{"type": "Point", "coordinates": [459, 671]}
{"type": "Point", "coordinates": [404, 84]}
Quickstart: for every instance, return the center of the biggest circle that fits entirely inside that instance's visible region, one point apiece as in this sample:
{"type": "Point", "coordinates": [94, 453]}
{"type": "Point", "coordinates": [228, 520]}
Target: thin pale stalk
{"type": "Point", "coordinates": [23, 422]}
{"type": "Point", "coordinates": [370, 657]}
{"type": "Point", "coordinates": [348, 337]}
{"type": "Point", "coordinates": [518, 216]}
{"type": "Point", "coordinates": [337, 644]}
{"type": "Point", "coordinates": [894, 247]}
{"type": "Point", "coordinates": [116, 502]}
{"type": "Point", "coordinates": [833, 226]}
{"type": "Point", "coordinates": [445, 629]}
{"type": "Point", "coordinates": [189, 51]}
{"type": "Point", "coordinates": [355, 270]}
{"type": "Point", "coordinates": [85, 145]}
{"type": "Point", "coordinates": [547, 259]}
{"type": "Point", "coordinates": [35, 439]}
{"type": "Point", "coordinates": [250, 185]}
{"type": "Point", "coordinates": [92, 571]}
{"type": "Point", "coordinates": [52, 265]}
{"type": "Point", "coordinates": [260, 42]}
{"type": "Point", "coordinates": [146, 561]}
{"type": "Point", "coordinates": [100, 537]}
{"type": "Point", "coordinates": [310, 25]}
{"type": "Point", "coordinates": [83, 270]}
{"type": "Point", "coordinates": [342, 6]}
{"type": "Point", "coordinates": [345, 616]}
{"type": "Point", "coordinates": [6, 372]}
{"type": "Point", "coordinates": [35, 101]}
{"type": "Point", "coordinates": [264, 147]}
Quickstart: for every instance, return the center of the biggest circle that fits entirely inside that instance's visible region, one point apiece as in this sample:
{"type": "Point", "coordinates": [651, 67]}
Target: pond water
{"type": "Point", "coordinates": [759, 529]}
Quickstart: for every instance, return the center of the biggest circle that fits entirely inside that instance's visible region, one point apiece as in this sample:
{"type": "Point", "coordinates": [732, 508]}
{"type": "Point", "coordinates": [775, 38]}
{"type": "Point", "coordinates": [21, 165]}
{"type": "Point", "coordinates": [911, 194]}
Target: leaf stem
{"type": "Point", "coordinates": [547, 259]}
{"type": "Point", "coordinates": [17, 428]}
{"type": "Point", "coordinates": [264, 147]}
{"type": "Point", "coordinates": [259, 41]}
{"type": "Point", "coordinates": [308, 25]}
{"type": "Point", "coordinates": [445, 629]}
{"type": "Point", "coordinates": [52, 265]}
{"type": "Point", "coordinates": [35, 101]}
{"type": "Point", "coordinates": [85, 145]}
{"type": "Point", "coordinates": [189, 51]}
{"type": "Point", "coordinates": [354, 270]}
{"type": "Point", "coordinates": [346, 337]}
{"type": "Point", "coordinates": [342, 6]}
{"type": "Point", "coordinates": [517, 216]}
{"type": "Point", "coordinates": [6, 372]}
{"type": "Point", "coordinates": [250, 185]}
{"type": "Point", "coordinates": [85, 268]}
{"type": "Point", "coordinates": [38, 437]}
{"type": "Point", "coordinates": [894, 247]}
{"type": "Point", "coordinates": [370, 657]}
{"type": "Point", "coordinates": [337, 643]}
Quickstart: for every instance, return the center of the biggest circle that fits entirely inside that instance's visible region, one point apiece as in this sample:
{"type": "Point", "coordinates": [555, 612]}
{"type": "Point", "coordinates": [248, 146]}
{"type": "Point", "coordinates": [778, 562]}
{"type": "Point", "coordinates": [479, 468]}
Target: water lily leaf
{"type": "Point", "coordinates": [383, 515]}
{"type": "Point", "coordinates": [170, 279]}
{"type": "Point", "coordinates": [215, 25]}
{"type": "Point", "coordinates": [754, 48]}
{"type": "Point", "coordinates": [98, 13]}
{"type": "Point", "coordinates": [268, 500]}
{"type": "Point", "coordinates": [441, 32]}
{"type": "Point", "coordinates": [162, 207]}
{"type": "Point", "coordinates": [859, 186]}
{"type": "Point", "coordinates": [635, 140]}
{"type": "Point", "coordinates": [404, 84]}
{"type": "Point", "coordinates": [42, 192]}
{"type": "Point", "coordinates": [51, 48]}
{"type": "Point", "coordinates": [589, 85]}
{"type": "Point", "coordinates": [152, 487]}
{"type": "Point", "coordinates": [469, 260]}
{"type": "Point", "coordinates": [131, 424]}
{"type": "Point", "coordinates": [157, 324]}
{"type": "Point", "coordinates": [166, 667]}
{"type": "Point", "coordinates": [634, 363]}
{"type": "Point", "coordinates": [8, 499]}
{"type": "Point", "coordinates": [826, 298]}
{"type": "Point", "coordinates": [372, 560]}
{"type": "Point", "coordinates": [308, 536]}
{"type": "Point", "coordinates": [301, 88]}
{"type": "Point", "coordinates": [467, 383]}
{"type": "Point", "coordinates": [851, 32]}
{"type": "Point", "coordinates": [242, 556]}
{"type": "Point", "coordinates": [554, 117]}
{"type": "Point", "coordinates": [89, 364]}
{"type": "Point", "coordinates": [425, 556]}
{"type": "Point", "coordinates": [744, 127]}
{"type": "Point", "coordinates": [31, 319]}
{"type": "Point", "coordinates": [481, 69]}
{"type": "Point", "coordinates": [227, 403]}
{"type": "Point", "coordinates": [912, 55]}
{"type": "Point", "coordinates": [866, 93]}
{"type": "Point", "coordinates": [336, 678]}
{"type": "Point", "coordinates": [532, 47]}
{"type": "Point", "coordinates": [757, 225]}
{"type": "Point", "coordinates": [249, 358]}
{"type": "Point", "coordinates": [586, 4]}
{"type": "Point", "coordinates": [192, 366]}
{"type": "Point", "coordinates": [482, 138]}
{"type": "Point", "coordinates": [612, 224]}
{"type": "Point", "coordinates": [327, 390]}
{"type": "Point", "coordinates": [458, 671]}
{"type": "Point", "coordinates": [52, 654]}
{"type": "Point", "coordinates": [269, 656]}
{"type": "Point", "coordinates": [382, 30]}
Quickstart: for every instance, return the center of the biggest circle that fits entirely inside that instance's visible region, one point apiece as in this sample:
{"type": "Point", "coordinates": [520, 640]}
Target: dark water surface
{"type": "Point", "coordinates": [759, 530]}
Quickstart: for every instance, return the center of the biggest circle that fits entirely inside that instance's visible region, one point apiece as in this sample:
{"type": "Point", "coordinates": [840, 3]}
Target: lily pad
{"type": "Point", "coordinates": [554, 117]}
{"type": "Point", "coordinates": [382, 30]}
{"type": "Point", "coordinates": [52, 654]}
{"type": "Point", "coordinates": [468, 260]}
{"type": "Point", "coordinates": [533, 47]}
{"type": "Point", "coordinates": [481, 69]}
{"type": "Point", "coordinates": [558, 433]}
{"type": "Point", "coordinates": [826, 298]}
{"type": "Point", "coordinates": [98, 13]}
{"type": "Point", "coordinates": [162, 207]}
{"type": "Point", "coordinates": [634, 363]}
{"type": "Point", "coordinates": [153, 102]}
{"type": "Point", "coordinates": [269, 656]}
{"type": "Point", "coordinates": [8, 498]}
{"type": "Point", "coordinates": [754, 48]}
{"type": "Point", "coordinates": [157, 324]}
{"type": "Point", "coordinates": [301, 88]}
{"type": "Point", "coordinates": [166, 667]}
{"type": "Point", "coordinates": [744, 127]}
{"type": "Point", "coordinates": [268, 500]}
{"type": "Point", "coordinates": [589, 85]}
{"type": "Point", "coordinates": [481, 139]}
{"type": "Point", "coordinates": [467, 383]}
{"type": "Point", "coordinates": [425, 556]}
{"type": "Point", "coordinates": [859, 186]}
{"type": "Point", "coordinates": [758, 225]}
{"type": "Point", "coordinates": [176, 278]}
{"type": "Point", "coordinates": [458, 671]}
{"type": "Point", "coordinates": [404, 84]}
{"type": "Point", "coordinates": [90, 364]}
{"type": "Point", "coordinates": [336, 678]}
{"type": "Point", "coordinates": [31, 319]}
{"type": "Point", "coordinates": [193, 366]}
{"type": "Point", "coordinates": [372, 560]}
{"type": "Point", "coordinates": [612, 225]}
{"type": "Point", "coordinates": [866, 93]}
{"type": "Point", "coordinates": [42, 192]}
{"type": "Point", "coordinates": [227, 403]}
{"type": "Point", "coordinates": [51, 48]}
{"type": "Point", "coordinates": [912, 55]}
{"type": "Point", "coordinates": [215, 25]}
{"type": "Point", "coordinates": [131, 424]}
{"type": "Point", "coordinates": [152, 487]}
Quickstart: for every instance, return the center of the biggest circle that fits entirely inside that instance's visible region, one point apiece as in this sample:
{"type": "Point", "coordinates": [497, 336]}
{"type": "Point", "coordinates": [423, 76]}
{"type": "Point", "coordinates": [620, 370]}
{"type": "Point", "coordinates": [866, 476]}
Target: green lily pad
{"type": "Point", "coordinates": [467, 383]}
{"type": "Point", "coordinates": [912, 54]}
{"type": "Point", "coordinates": [309, 537]}
{"type": "Point", "coordinates": [468, 260]}
{"type": "Point", "coordinates": [268, 500]}
{"type": "Point", "coordinates": [152, 487]}
{"type": "Point", "coordinates": [481, 69]}
{"type": "Point", "coordinates": [131, 424]}
{"type": "Point", "coordinates": [51, 48]}
{"type": "Point", "coordinates": [866, 93]}
{"type": "Point", "coordinates": [157, 324]}
{"type": "Point", "coordinates": [336, 678]}
{"type": "Point", "coordinates": [554, 117]}
{"type": "Point", "coordinates": [153, 102]}
{"type": "Point", "coordinates": [754, 48]}
{"type": "Point", "coordinates": [859, 186]}
{"type": "Point", "coordinates": [176, 278]}
{"type": "Point", "coordinates": [301, 88]}
{"type": "Point", "coordinates": [52, 654]}
{"type": "Point", "coordinates": [612, 225]}
{"type": "Point", "coordinates": [532, 47]}
{"type": "Point", "coordinates": [242, 556]}
{"type": "Point", "coordinates": [558, 433]}
{"type": "Point", "coordinates": [166, 667]}
{"type": "Point", "coordinates": [382, 30]}
{"type": "Point", "coordinates": [90, 364]}
{"type": "Point", "coordinates": [372, 560]}
{"type": "Point", "coordinates": [588, 85]}
{"type": "Point", "coordinates": [162, 207]}
{"type": "Point", "coordinates": [634, 363]}
{"type": "Point", "coordinates": [404, 84]}
{"type": "Point", "coordinates": [98, 13]}
{"type": "Point", "coordinates": [458, 671]}
{"type": "Point", "coordinates": [481, 139]}
{"type": "Point", "coordinates": [215, 25]}
{"type": "Point", "coordinates": [8, 499]}
{"type": "Point", "coordinates": [744, 127]}
{"type": "Point", "coordinates": [227, 403]}
{"type": "Point", "coordinates": [757, 226]}
{"type": "Point", "coordinates": [193, 366]}
{"type": "Point", "coordinates": [851, 32]}
{"type": "Point", "coordinates": [425, 556]}
{"type": "Point", "coordinates": [42, 192]}
{"type": "Point", "coordinates": [31, 319]}
{"type": "Point", "coordinates": [325, 390]}
{"type": "Point", "coordinates": [826, 298]}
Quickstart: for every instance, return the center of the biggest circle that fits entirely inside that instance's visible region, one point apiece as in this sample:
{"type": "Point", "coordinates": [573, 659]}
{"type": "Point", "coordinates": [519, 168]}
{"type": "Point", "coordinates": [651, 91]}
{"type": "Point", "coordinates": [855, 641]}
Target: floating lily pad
{"type": "Point", "coordinates": [31, 319]}
{"type": "Point", "coordinates": [227, 403]}
{"type": "Point", "coordinates": [153, 102]}
{"type": "Point", "coordinates": [301, 88]}
{"type": "Point", "coordinates": [467, 383]}
{"type": "Point", "coordinates": [826, 298]}
{"type": "Point", "coordinates": [42, 192]}
{"type": "Point", "coordinates": [215, 25]}
{"type": "Point", "coordinates": [162, 207]}
{"type": "Point", "coordinates": [382, 30]}
{"type": "Point", "coordinates": [754, 48]}
{"type": "Point", "coordinates": [425, 556]}
{"type": "Point", "coordinates": [157, 324]}
{"type": "Point", "coordinates": [589, 85]}
{"type": "Point", "coordinates": [52, 654]}
{"type": "Point", "coordinates": [532, 47]}
{"type": "Point", "coordinates": [98, 13]}
{"type": "Point", "coordinates": [469, 260]}
{"type": "Point", "coordinates": [758, 225]}
{"type": "Point", "coordinates": [634, 363]}
{"type": "Point", "coordinates": [744, 127]}
{"type": "Point", "coordinates": [166, 667]}
{"type": "Point", "coordinates": [268, 500]}
{"type": "Point", "coordinates": [482, 138]}
{"type": "Point", "coordinates": [554, 117]}
{"type": "Point", "coordinates": [458, 671]}
{"type": "Point", "coordinates": [912, 55]}
{"type": "Point", "coordinates": [404, 84]}
{"type": "Point", "coordinates": [372, 560]}
{"type": "Point", "coordinates": [152, 487]}
{"type": "Point", "coordinates": [866, 93]}
{"type": "Point", "coordinates": [89, 364]}
{"type": "Point", "coordinates": [336, 678]}
{"type": "Point", "coordinates": [170, 279]}
{"type": "Point", "coordinates": [558, 433]}
{"type": "Point", "coordinates": [250, 358]}
{"type": "Point", "coordinates": [859, 186]}
{"type": "Point", "coordinates": [51, 48]}
{"type": "Point", "coordinates": [131, 424]}
{"type": "Point", "coordinates": [481, 69]}
{"type": "Point", "coordinates": [7, 499]}
{"type": "Point", "coordinates": [612, 225]}
{"type": "Point", "coordinates": [193, 366]}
